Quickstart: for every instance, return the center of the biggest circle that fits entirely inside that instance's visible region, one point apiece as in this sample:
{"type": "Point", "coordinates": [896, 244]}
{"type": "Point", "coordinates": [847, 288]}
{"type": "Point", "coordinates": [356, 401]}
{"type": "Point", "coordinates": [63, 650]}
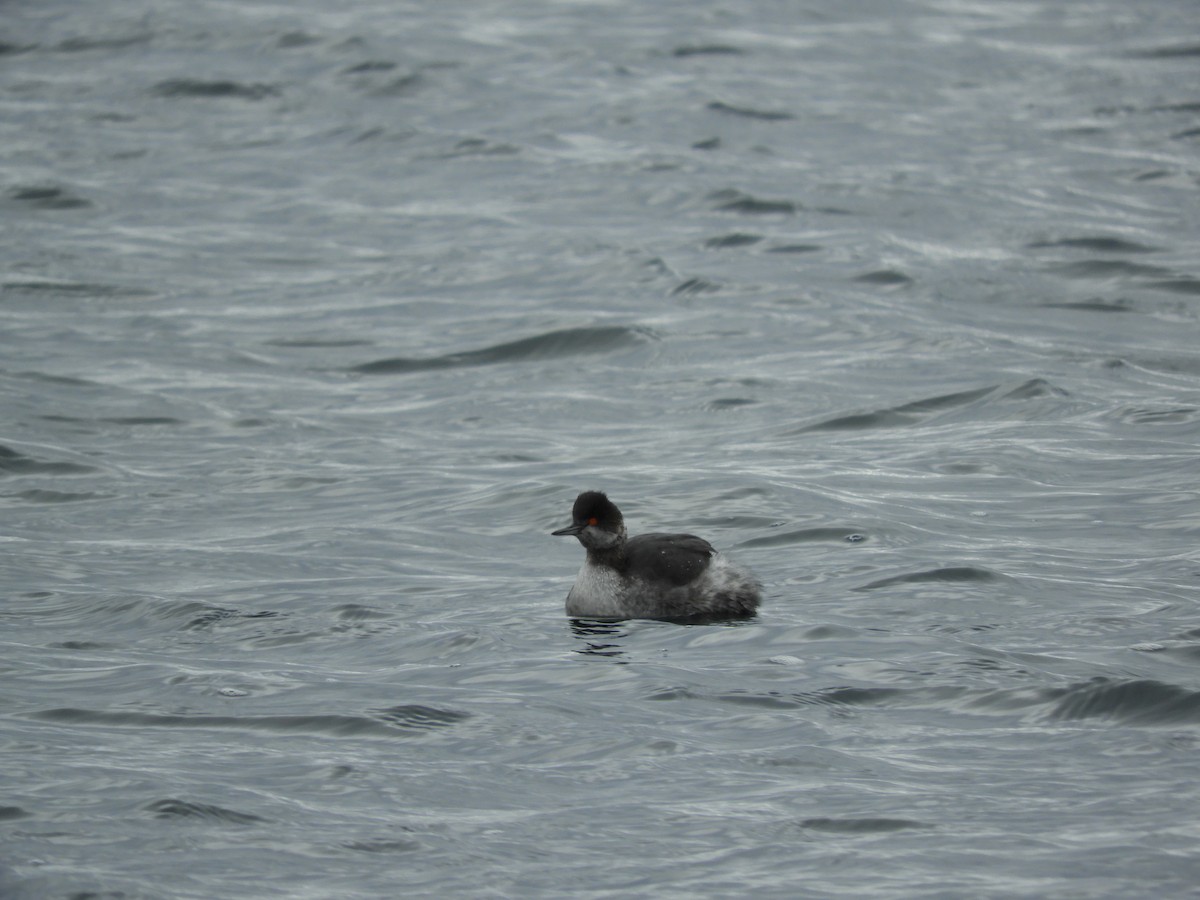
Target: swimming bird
{"type": "Point", "coordinates": [651, 576]}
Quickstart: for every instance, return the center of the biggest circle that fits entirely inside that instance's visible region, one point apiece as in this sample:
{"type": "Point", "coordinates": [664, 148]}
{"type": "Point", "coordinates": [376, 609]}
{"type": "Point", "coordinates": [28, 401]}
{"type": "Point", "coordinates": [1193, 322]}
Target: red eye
{"type": "Point", "coordinates": [593, 521]}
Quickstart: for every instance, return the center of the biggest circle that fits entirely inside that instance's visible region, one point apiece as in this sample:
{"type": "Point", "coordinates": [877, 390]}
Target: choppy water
{"type": "Point", "coordinates": [317, 318]}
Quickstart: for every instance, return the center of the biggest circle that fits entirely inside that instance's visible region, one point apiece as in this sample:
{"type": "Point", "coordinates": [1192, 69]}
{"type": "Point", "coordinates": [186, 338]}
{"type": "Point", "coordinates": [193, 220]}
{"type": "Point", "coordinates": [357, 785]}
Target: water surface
{"type": "Point", "coordinates": [317, 319]}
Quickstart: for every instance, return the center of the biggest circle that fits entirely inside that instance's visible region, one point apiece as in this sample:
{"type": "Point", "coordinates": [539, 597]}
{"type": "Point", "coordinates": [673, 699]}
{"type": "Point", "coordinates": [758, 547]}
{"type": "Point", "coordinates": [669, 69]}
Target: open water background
{"type": "Point", "coordinates": [317, 317]}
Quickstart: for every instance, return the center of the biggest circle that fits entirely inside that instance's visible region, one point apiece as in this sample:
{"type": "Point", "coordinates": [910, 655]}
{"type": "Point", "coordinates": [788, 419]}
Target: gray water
{"type": "Point", "coordinates": [317, 317]}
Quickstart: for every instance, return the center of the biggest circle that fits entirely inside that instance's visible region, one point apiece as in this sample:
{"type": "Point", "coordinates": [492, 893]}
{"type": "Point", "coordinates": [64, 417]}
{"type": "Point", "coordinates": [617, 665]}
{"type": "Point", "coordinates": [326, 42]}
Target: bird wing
{"type": "Point", "coordinates": [675, 559]}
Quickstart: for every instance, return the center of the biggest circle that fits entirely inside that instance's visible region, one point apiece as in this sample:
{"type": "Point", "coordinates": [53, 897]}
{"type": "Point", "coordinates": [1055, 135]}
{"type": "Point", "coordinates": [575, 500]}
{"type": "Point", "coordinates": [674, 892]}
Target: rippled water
{"type": "Point", "coordinates": [317, 319]}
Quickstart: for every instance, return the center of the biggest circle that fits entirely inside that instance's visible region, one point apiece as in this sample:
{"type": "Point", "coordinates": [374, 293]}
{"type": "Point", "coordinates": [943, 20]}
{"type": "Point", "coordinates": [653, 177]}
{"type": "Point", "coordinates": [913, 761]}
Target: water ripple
{"type": "Point", "coordinates": [14, 463]}
{"type": "Point", "coordinates": [205, 812]}
{"type": "Point", "coordinates": [1138, 702]}
{"type": "Point", "coordinates": [551, 345]}
{"type": "Point", "coordinates": [388, 723]}
{"type": "Point", "coordinates": [217, 88]}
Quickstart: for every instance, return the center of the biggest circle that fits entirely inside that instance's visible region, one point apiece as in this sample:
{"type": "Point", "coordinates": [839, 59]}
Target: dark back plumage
{"type": "Point", "coordinates": [675, 559]}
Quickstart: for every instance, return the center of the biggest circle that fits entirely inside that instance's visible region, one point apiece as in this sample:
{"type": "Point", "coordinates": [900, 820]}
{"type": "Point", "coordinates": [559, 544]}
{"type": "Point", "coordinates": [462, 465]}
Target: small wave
{"type": "Point", "coordinates": [1142, 702]}
{"type": "Point", "coordinates": [420, 718]}
{"type": "Point", "coordinates": [723, 403]}
{"type": "Point", "coordinates": [736, 201]}
{"type": "Point", "coordinates": [885, 277]}
{"type": "Point", "coordinates": [737, 239]}
{"type": "Point", "coordinates": [1172, 51]}
{"type": "Point", "coordinates": [14, 463]}
{"type": "Point", "coordinates": [48, 197]}
{"type": "Point", "coordinates": [74, 289]}
{"type": "Point", "coordinates": [317, 342]}
{"type": "Point", "coordinates": [371, 65]}
{"type": "Point", "coordinates": [840, 696]}
{"type": "Point", "coordinates": [292, 39]}
{"type": "Point", "coordinates": [861, 826]}
{"type": "Point", "coordinates": [206, 812]}
{"type": "Point", "coordinates": [144, 420]}
{"type": "Point", "coordinates": [855, 696]}
{"type": "Point", "coordinates": [552, 345]}
{"type": "Point", "coordinates": [1097, 243]}
{"type": "Point", "coordinates": [707, 50]}
{"type": "Point", "coordinates": [795, 248]}
{"type": "Point", "coordinates": [402, 86]}
{"type": "Point", "coordinates": [84, 44]}
{"type": "Point", "coordinates": [1032, 389]}
{"type": "Point", "coordinates": [331, 725]}
{"type": "Point", "coordinates": [1184, 284]}
{"type": "Point", "coordinates": [217, 89]}
{"type": "Point", "coordinates": [1140, 415]}
{"type": "Point", "coordinates": [355, 612]}
{"type": "Point", "coordinates": [45, 496]}
{"type": "Point", "coordinates": [695, 286]}
{"type": "Point", "coordinates": [949, 574]}
{"type": "Point", "coordinates": [919, 411]}
{"type": "Point", "coordinates": [1094, 305]}
{"type": "Point", "coordinates": [387, 845]}
{"type": "Point", "coordinates": [748, 112]}
{"type": "Point", "coordinates": [213, 615]}
{"type": "Point", "coordinates": [115, 420]}
{"type": "Point", "coordinates": [1138, 702]}
{"type": "Point", "coordinates": [1108, 268]}
{"type": "Point", "coordinates": [905, 414]}
{"type": "Point", "coordinates": [470, 147]}
{"type": "Point", "coordinates": [804, 536]}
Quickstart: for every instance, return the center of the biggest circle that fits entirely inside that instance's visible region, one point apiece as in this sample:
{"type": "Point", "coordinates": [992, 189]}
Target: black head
{"type": "Point", "coordinates": [596, 521]}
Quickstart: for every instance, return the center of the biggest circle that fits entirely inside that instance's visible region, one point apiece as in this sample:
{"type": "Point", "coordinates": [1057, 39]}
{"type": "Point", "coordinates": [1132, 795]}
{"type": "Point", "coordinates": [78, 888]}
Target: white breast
{"type": "Point", "coordinates": [598, 592]}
